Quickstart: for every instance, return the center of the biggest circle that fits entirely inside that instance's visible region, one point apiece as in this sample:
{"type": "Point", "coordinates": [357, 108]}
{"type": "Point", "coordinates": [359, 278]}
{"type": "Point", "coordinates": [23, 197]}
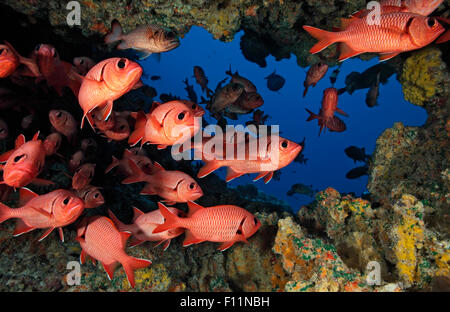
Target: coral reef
{"type": "Point", "coordinates": [423, 76]}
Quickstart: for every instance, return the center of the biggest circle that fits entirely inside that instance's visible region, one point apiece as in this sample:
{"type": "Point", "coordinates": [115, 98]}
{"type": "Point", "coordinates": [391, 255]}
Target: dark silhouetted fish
{"type": "Point", "coordinates": [200, 78]}
{"type": "Point", "coordinates": [149, 91]}
{"type": "Point", "coordinates": [373, 93]}
{"type": "Point", "coordinates": [275, 82]}
{"type": "Point", "coordinates": [168, 97]}
{"type": "Point", "coordinates": [190, 90]}
{"type": "Point", "coordinates": [314, 74]}
{"type": "Point", "coordinates": [248, 85]}
{"type": "Point", "coordinates": [356, 81]}
{"type": "Point", "coordinates": [301, 189]}
{"type": "Point", "coordinates": [356, 153]}
{"type": "Point", "coordinates": [357, 172]}
{"type": "Point", "coordinates": [155, 78]}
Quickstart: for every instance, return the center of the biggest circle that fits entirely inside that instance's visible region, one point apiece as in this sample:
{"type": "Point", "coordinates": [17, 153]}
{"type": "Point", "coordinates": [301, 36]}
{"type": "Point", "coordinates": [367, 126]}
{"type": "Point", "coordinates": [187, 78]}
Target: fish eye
{"type": "Point", "coordinates": [66, 200]}
{"type": "Point", "coordinates": [170, 35]}
{"type": "Point", "coordinates": [181, 116]}
{"type": "Point", "coordinates": [96, 195]}
{"type": "Point", "coordinates": [2, 130]}
{"type": "Point", "coordinates": [58, 114]}
{"type": "Point", "coordinates": [194, 106]}
{"type": "Point", "coordinates": [18, 158]}
{"type": "Point", "coordinates": [81, 62]}
{"type": "Point", "coordinates": [1, 51]}
{"type": "Point", "coordinates": [37, 47]}
{"type": "Point", "coordinates": [56, 54]}
{"type": "Point", "coordinates": [431, 22]}
{"type": "Point", "coordinates": [284, 144]}
{"type": "Point", "coordinates": [122, 127]}
{"type": "Point", "coordinates": [121, 64]}
{"type": "Point", "coordinates": [192, 185]}
{"type": "Point", "coordinates": [255, 220]}
{"type": "Point", "coordinates": [239, 232]}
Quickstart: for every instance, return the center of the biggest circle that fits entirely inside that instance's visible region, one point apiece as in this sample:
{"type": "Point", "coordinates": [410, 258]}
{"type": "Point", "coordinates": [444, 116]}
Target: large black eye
{"type": "Point", "coordinates": [194, 106]}
{"type": "Point", "coordinates": [192, 185]}
{"type": "Point", "coordinates": [284, 144]}
{"type": "Point", "coordinates": [170, 35]}
{"type": "Point", "coordinates": [255, 220]}
{"type": "Point", "coordinates": [181, 116]}
{"type": "Point", "coordinates": [58, 114]}
{"type": "Point", "coordinates": [66, 200]}
{"type": "Point", "coordinates": [431, 22]}
{"type": "Point", "coordinates": [2, 130]}
{"type": "Point", "coordinates": [81, 62]}
{"type": "Point", "coordinates": [1, 51]}
{"type": "Point", "coordinates": [38, 47]}
{"type": "Point", "coordinates": [122, 127]}
{"type": "Point", "coordinates": [121, 63]}
{"type": "Point", "coordinates": [18, 158]}
{"type": "Point", "coordinates": [55, 55]}
{"type": "Point", "coordinates": [96, 195]}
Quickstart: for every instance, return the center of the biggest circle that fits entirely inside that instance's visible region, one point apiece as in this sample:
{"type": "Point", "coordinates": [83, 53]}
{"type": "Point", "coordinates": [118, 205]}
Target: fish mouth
{"type": "Point", "coordinates": [197, 194]}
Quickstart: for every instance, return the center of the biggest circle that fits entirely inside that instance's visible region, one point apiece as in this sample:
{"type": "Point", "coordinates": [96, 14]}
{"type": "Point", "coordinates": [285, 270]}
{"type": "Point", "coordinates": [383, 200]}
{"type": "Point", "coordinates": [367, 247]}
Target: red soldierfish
{"type": "Point", "coordinates": [76, 160]}
{"type": "Point", "coordinates": [101, 240]}
{"type": "Point", "coordinates": [123, 165]}
{"type": "Point", "coordinates": [145, 39]}
{"type": "Point", "coordinates": [57, 73]}
{"type": "Point", "coordinates": [91, 196]}
{"type": "Point", "coordinates": [166, 124]}
{"type": "Point", "coordinates": [120, 131]}
{"type": "Point", "coordinates": [200, 78]}
{"type": "Point", "coordinates": [10, 61]}
{"type": "Point", "coordinates": [144, 224]}
{"type": "Point", "coordinates": [396, 33]}
{"type": "Point", "coordinates": [64, 123]}
{"type": "Point", "coordinates": [53, 210]}
{"type": "Point", "coordinates": [258, 156]}
{"type": "Point", "coordinates": [83, 64]}
{"type": "Point", "coordinates": [106, 82]}
{"type": "Point", "coordinates": [24, 163]}
{"type": "Point", "coordinates": [172, 186]}
{"type": "Point", "coordinates": [83, 176]}
{"type": "Point", "coordinates": [225, 224]}
{"type": "Point", "coordinates": [315, 73]}
{"type": "Point", "coordinates": [326, 116]}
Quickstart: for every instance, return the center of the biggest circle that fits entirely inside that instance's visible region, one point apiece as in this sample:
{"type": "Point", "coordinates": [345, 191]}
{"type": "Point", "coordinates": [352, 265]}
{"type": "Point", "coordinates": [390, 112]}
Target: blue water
{"type": "Point", "coordinates": [327, 163]}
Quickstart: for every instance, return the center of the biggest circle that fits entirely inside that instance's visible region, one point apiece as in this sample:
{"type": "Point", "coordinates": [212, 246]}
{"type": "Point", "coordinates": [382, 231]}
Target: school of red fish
{"type": "Point", "coordinates": [404, 26]}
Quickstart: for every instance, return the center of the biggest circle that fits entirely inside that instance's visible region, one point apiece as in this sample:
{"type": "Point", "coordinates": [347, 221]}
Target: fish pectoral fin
{"type": "Point", "coordinates": [166, 244]}
{"type": "Point", "coordinates": [224, 246]}
{"type": "Point", "coordinates": [388, 56]}
{"type": "Point", "coordinates": [231, 174]}
{"type": "Point", "coordinates": [109, 268]}
{"type": "Point", "coordinates": [347, 52]}
{"type": "Point", "coordinates": [46, 233]}
{"type": "Point", "coordinates": [42, 211]}
{"type": "Point", "coordinates": [190, 239]}
{"type": "Point", "coordinates": [268, 177]}
{"type": "Point", "coordinates": [107, 110]}
{"type": "Point", "coordinates": [124, 237]}
{"type": "Point", "coordinates": [143, 54]}
{"type": "Point", "coordinates": [260, 175]}
{"type": "Point", "coordinates": [340, 111]}
{"type": "Point", "coordinates": [61, 234]}
{"type": "Point", "coordinates": [21, 228]}
{"type": "Point", "coordinates": [83, 256]}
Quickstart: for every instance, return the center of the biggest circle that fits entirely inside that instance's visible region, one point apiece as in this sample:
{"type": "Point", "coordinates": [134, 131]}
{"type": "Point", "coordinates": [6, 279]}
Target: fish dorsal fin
{"type": "Point", "coordinates": [20, 141]}
{"type": "Point", "coordinates": [193, 208]}
{"type": "Point", "coordinates": [124, 237]}
{"type": "Point", "coordinates": [26, 195]}
{"type": "Point", "coordinates": [36, 136]}
{"type": "Point", "coordinates": [136, 213]}
{"type": "Point", "coordinates": [345, 22]}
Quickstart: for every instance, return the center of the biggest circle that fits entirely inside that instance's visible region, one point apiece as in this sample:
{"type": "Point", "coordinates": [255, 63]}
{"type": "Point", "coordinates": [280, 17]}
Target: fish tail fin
{"type": "Point", "coordinates": [5, 213]}
{"type": "Point", "coordinates": [229, 72]}
{"type": "Point", "coordinates": [171, 220]}
{"type": "Point", "coordinates": [325, 38]}
{"type": "Point", "coordinates": [114, 163]}
{"type": "Point", "coordinates": [312, 116]}
{"type": "Point", "coordinates": [306, 90]}
{"type": "Point", "coordinates": [130, 264]}
{"type": "Point", "coordinates": [115, 34]}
